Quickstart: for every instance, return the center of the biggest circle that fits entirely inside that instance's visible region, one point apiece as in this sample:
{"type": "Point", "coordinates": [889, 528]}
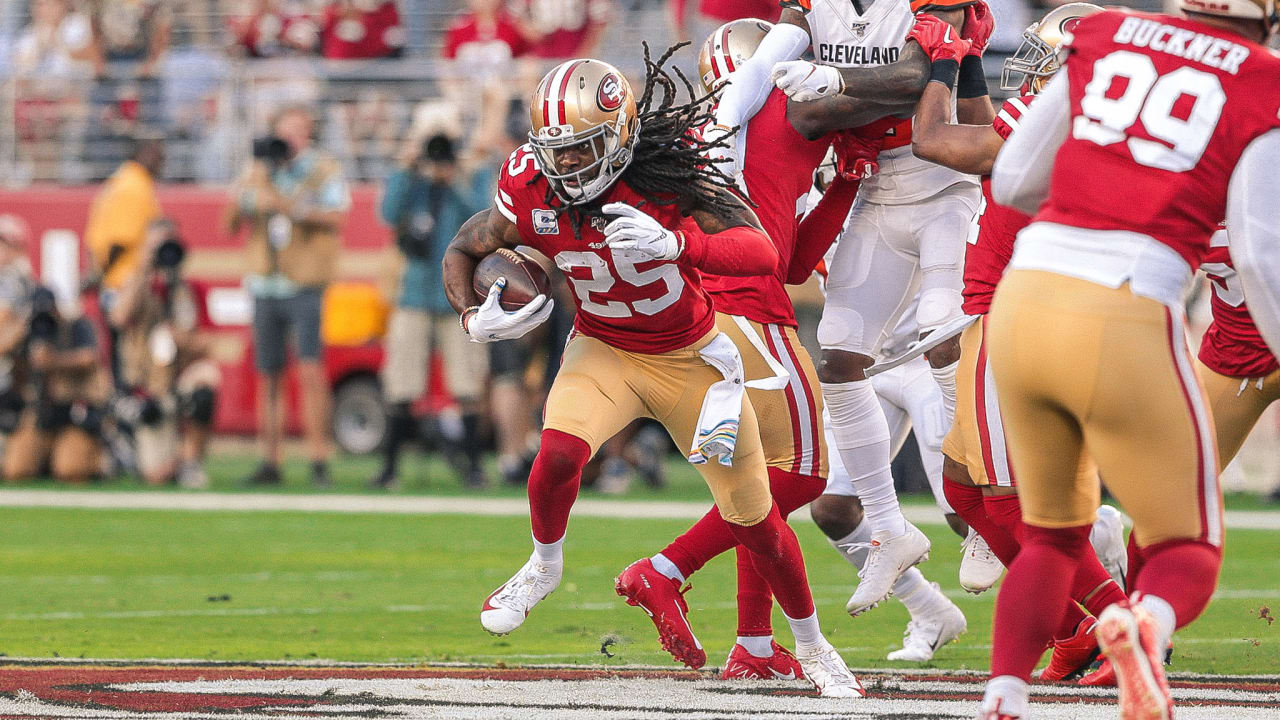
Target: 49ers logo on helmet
{"type": "Point", "coordinates": [611, 94]}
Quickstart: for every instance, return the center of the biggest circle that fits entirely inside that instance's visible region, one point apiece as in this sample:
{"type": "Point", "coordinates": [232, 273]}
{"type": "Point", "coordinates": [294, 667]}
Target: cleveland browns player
{"type": "Point", "coordinates": [616, 192]}
{"type": "Point", "coordinates": [979, 480]}
{"type": "Point", "coordinates": [1156, 129]}
{"type": "Point", "coordinates": [906, 238]}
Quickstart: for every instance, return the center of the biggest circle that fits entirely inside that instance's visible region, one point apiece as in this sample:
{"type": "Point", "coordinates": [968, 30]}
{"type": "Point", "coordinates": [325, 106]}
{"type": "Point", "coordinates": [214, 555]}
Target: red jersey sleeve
{"type": "Point", "coordinates": [453, 38]}
{"type": "Point", "coordinates": [1010, 115]}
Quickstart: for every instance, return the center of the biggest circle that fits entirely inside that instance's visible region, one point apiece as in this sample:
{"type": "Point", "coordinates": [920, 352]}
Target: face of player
{"type": "Point", "coordinates": [574, 158]}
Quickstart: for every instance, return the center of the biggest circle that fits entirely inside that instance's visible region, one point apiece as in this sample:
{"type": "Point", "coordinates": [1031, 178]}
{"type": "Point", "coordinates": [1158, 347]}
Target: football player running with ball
{"type": "Point", "coordinates": [1156, 128]}
{"type": "Point", "coordinates": [616, 192]}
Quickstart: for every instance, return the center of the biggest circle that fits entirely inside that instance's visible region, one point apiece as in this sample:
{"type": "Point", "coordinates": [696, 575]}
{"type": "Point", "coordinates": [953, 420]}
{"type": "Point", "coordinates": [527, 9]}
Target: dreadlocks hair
{"type": "Point", "coordinates": [669, 161]}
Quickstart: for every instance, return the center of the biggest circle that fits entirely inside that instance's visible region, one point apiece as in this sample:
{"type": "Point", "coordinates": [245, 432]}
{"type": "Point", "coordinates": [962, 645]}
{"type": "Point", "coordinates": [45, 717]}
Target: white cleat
{"type": "Point", "coordinates": [930, 631]}
{"type": "Point", "coordinates": [887, 559]}
{"type": "Point", "coordinates": [979, 567]}
{"type": "Point", "coordinates": [506, 608]}
{"type": "Point", "coordinates": [826, 669]}
{"type": "Point", "coordinates": [1107, 538]}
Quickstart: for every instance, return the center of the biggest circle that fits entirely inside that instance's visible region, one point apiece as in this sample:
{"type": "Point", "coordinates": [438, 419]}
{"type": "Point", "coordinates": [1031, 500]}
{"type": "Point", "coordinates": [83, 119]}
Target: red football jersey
{"type": "Point", "coordinates": [373, 34]}
{"type": "Point", "coordinates": [778, 170]}
{"type": "Point", "coordinates": [563, 24]}
{"type": "Point", "coordinates": [1232, 345]}
{"type": "Point", "coordinates": [485, 46]}
{"type": "Point", "coordinates": [987, 255]}
{"type": "Point", "coordinates": [1161, 109]}
{"type": "Point", "coordinates": [646, 306]}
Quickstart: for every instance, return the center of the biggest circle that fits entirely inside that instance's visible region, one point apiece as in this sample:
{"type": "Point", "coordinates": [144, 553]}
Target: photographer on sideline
{"type": "Point", "coordinates": [294, 199]}
{"type": "Point", "coordinates": [426, 200]}
{"type": "Point", "coordinates": [62, 389]}
{"type": "Point", "coordinates": [166, 369]}
{"type": "Point", "coordinates": [16, 284]}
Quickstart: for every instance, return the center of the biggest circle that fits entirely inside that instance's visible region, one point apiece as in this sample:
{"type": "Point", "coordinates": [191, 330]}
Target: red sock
{"type": "Point", "coordinates": [711, 535]}
{"type": "Point", "coordinates": [1135, 561]}
{"type": "Point", "coordinates": [1031, 601]}
{"type": "Point", "coordinates": [1094, 588]}
{"type": "Point", "coordinates": [1003, 542]}
{"type": "Point", "coordinates": [775, 552]}
{"type": "Point", "coordinates": [553, 483]}
{"type": "Point", "coordinates": [1183, 573]}
{"type": "Point", "coordinates": [755, 601]}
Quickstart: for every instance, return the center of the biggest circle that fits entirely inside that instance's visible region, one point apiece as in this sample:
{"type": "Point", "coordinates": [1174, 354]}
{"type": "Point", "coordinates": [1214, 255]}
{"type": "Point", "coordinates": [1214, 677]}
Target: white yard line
{"type": "Point", "coordinates": [427, 505]}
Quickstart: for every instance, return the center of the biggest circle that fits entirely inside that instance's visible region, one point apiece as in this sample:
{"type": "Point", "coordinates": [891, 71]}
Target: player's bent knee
{"type": "Point", "coordinates": [938, 305]}
{"type": "Point", "coordinates": [956, 472]}
{"type": "Point", "coordinates": [947, 353]}
{"type": "Point", "coordinates": [836, 515]}
{"type": "Point", "coordinates": [745, 517]}
{"type": "Point", "coordinates": [839, 366]}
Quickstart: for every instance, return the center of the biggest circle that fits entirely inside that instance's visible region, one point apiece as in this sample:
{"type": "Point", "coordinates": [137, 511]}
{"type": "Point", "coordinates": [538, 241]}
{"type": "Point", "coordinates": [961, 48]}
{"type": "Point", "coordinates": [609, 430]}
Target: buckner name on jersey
{"type": "Point", "coordinates": [1208, 50]}
{"type": "Point", "coordinates": [857, 54]}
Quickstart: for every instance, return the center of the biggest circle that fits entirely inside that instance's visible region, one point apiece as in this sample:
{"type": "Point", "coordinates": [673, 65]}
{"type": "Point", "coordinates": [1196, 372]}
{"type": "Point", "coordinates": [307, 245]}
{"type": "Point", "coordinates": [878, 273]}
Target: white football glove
{"type": "Point", "coordinates": [804, 81]}
{"type": "Point", "coordinates": [728, 153]}
{"type": "Point", "coordinates": [490, 322]}
{"type": "Point", "coordinates": [634, 231]}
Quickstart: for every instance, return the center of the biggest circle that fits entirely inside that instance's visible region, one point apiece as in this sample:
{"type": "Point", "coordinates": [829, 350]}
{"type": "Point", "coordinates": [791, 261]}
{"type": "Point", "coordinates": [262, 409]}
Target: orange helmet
{"type": "Point", "coordinates": [583, 102]}
{"type": "Point", "coordinates": [728, 47]}
{"type": "Point", "coordinates": [1040, 54]}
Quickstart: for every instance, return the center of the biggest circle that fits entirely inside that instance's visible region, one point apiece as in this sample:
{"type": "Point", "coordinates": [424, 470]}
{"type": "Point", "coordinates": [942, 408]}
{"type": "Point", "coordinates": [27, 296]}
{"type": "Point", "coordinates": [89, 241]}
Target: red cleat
{"type": "Point", "coordinates": [660, 597]}
{"type": "Point", "coordinates": [1104, 676]}
{"type": "Point", "coordinates": [742, 665]}
{"type": "Point", "coordinates": [1129, 638]}
{"type": "Point", "coordinates": [1074, 655]}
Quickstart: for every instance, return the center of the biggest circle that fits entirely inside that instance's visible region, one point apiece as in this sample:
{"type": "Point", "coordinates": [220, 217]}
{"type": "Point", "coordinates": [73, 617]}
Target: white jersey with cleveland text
{"type": "Point", "coordinates": [870, 33]}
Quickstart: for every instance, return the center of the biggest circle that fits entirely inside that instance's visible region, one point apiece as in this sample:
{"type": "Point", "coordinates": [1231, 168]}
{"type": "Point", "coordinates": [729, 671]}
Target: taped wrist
{"type": "Point", "coordinates": [945, 72]}
{"type": "Point", "coordinates": [972, 81]}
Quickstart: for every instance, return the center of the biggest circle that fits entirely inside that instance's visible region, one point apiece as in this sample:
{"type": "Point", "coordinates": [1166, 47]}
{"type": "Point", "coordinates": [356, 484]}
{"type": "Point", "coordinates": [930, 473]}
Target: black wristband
{"type": "Point", "coordinates": [973, 80]}
{"type": "Point", "coordinates": [945, 71]}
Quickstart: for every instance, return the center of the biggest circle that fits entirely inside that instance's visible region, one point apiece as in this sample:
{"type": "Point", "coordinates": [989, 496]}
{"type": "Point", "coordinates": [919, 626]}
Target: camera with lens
{"type": "Point", "coordinates": [43, 325]}
{"type": "Point", "coordinates": [270, 149]}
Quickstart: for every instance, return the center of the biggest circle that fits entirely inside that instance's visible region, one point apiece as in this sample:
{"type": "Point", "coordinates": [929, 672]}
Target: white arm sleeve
{"type": "Point", "coordinates": [1020, 178]}
{"type": "Point", "coordinates": [1253, 205]}
{"type": "Point", "coordinates": [749, 85]}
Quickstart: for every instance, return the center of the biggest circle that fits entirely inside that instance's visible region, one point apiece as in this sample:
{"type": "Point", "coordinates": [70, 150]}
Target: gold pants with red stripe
{"type": "Point", "coordinates": [977, 438]}
{"type": "Point", "coordinates": [1079, 366]}
{"type": "Point", "coordinates": [790, 419]}
{"type": "Point", "coordinates": [600, 389]}
{"type": "Point", "coordinates": [1236, 404]}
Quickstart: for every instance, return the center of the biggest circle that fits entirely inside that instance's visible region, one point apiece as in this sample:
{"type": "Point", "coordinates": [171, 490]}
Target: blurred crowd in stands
{"type": "Point", "coordinates": [77, 77]}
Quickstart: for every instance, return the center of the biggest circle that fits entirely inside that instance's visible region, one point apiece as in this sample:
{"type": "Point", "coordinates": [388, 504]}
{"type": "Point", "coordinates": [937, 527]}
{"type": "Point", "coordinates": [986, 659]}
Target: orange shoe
{"type": "Point", "coordinates": [660, 597]}
{"type": "Point", "coordinates": [1073, 655]}
{"type": "Point", "coordinates": [742, 665]}
{"type": "Point", "coordinates": [1130, 640]}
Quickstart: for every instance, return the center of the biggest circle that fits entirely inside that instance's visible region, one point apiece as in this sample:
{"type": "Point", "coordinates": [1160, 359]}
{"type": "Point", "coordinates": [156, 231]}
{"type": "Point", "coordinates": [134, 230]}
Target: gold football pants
{"type": "Point", "coordinates": [600, 389]}
{"type": "Point", "coordinates": [790, 419]}
{"type": "Point", "coordinates": [1079, 366]}
{"type": "Point", "coordinates": [1236, 405]}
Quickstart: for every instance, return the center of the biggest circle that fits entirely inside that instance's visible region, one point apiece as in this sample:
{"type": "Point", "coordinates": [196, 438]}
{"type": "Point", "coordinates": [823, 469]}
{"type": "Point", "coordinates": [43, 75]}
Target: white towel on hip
{"type": "Point", "coordinates": [716, 435]}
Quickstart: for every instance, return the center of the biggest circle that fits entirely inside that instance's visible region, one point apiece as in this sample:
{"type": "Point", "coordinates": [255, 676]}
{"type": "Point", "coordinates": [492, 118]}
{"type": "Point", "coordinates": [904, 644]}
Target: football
{"type": "Point", "coordinates": [525, 277]}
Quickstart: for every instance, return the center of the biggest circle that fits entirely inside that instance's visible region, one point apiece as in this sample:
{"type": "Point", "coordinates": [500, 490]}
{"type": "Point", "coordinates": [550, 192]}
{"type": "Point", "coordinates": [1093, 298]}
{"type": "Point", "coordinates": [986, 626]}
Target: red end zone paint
{"type": "Point", "coordinates": [85, 689]}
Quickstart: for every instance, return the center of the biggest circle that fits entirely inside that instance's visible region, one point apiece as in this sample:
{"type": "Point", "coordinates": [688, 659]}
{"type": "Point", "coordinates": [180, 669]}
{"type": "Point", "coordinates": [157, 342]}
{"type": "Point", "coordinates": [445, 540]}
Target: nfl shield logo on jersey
{"type": "Point", "coordinates": [859, 29]}
{"type": "Point", "coordinates": [545, 222]}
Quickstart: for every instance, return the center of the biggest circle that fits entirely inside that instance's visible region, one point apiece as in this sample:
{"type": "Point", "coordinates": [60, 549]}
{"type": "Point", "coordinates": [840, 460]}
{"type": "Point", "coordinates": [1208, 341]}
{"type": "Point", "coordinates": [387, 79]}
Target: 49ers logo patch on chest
{"type": "Point", "coordinates": [610, 95]}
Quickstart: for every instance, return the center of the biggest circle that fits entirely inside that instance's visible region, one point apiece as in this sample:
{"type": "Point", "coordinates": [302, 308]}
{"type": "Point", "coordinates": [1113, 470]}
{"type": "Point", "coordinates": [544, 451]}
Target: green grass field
{"type": "Point", "coordinates": [252, 586]}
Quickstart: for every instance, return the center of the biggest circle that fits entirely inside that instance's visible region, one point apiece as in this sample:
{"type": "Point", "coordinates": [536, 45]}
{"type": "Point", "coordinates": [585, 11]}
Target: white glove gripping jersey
{"type": "Point", "coordinates": [846, 38]}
